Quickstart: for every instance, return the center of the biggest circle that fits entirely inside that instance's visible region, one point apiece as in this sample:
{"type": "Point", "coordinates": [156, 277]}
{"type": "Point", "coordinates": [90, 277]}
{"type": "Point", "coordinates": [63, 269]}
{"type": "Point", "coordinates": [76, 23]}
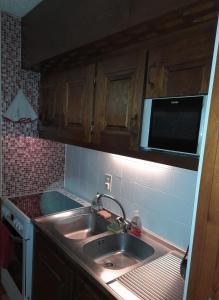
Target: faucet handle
{"type": "Point", "coordinates": [120, 220]}
{"type": "Point", "coordinates": [96, 202]}
{"type": "Point", "coordinates": [123, 223]}
{"type": "Point", "coordinates": [97, 195]}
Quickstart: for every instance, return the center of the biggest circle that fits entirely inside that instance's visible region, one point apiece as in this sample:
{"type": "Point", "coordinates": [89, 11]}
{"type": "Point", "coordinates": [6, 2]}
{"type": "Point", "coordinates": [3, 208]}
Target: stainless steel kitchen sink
{"type": "Point", "coordinates": [83, 235]}
{"type": "Point", "coordinates": [117, 251]}
{"type": "Point", "coordinates": [81, 226]}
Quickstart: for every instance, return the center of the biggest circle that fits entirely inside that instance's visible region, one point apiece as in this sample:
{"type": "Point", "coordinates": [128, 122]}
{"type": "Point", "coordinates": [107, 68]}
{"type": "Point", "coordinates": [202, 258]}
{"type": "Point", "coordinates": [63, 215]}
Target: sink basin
{"type": "Point", "coordinates": [81, 226]}
{"type": "Point", "coordinates": [117, 251]}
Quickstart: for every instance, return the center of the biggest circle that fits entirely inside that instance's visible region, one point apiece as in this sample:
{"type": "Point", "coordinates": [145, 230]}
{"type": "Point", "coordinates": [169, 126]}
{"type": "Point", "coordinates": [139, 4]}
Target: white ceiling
{"type": "Point", "coordinates": [18, 7]}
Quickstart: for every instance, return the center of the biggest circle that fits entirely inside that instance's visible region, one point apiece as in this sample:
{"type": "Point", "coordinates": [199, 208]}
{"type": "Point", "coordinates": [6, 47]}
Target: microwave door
{"type": "Point", "coordinates": [175, 124]}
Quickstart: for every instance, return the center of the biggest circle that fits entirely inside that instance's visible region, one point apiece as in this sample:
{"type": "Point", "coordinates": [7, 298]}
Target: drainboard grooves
{"type": "Point", "coordinates": [157, 280]}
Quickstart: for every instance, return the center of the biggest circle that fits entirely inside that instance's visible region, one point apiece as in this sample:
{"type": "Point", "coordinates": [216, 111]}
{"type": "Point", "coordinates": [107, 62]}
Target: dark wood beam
{"type": "Point", "coordinates": [178, 19]}
{"type": "Point", "coordinates": [58, 26]}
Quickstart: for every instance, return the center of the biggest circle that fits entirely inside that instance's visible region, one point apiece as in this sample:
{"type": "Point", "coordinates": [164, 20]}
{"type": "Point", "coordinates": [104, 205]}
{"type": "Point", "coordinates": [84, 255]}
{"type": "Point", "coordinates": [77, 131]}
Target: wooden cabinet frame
{"type": "Point", "coordinates": [204, 271]}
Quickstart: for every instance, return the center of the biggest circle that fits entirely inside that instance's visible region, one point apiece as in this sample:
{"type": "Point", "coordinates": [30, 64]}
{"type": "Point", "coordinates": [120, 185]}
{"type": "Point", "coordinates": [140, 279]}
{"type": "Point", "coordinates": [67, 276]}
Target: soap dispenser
{"type": "Point", "coordinates": [136, 226]}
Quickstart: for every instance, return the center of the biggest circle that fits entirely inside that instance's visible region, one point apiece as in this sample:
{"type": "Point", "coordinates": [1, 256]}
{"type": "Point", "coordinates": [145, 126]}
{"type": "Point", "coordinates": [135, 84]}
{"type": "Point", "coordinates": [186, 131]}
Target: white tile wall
{"type": "Point", "coordinates": [163, 194]}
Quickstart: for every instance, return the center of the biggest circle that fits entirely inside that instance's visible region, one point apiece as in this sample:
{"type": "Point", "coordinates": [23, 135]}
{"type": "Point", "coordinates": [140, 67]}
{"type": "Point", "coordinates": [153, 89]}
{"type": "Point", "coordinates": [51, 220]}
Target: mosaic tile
{"type": "Point", "coordinates": [29, 164]}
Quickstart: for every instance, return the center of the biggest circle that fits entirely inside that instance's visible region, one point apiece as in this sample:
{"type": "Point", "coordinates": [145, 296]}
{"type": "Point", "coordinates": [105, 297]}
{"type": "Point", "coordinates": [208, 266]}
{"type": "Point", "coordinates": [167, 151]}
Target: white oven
{"type": "Point", "coordinates": [17, 277]}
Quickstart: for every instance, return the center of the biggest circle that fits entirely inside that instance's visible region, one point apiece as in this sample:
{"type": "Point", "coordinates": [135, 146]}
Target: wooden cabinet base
{"type": "Point", "coordinates": [56, 277]}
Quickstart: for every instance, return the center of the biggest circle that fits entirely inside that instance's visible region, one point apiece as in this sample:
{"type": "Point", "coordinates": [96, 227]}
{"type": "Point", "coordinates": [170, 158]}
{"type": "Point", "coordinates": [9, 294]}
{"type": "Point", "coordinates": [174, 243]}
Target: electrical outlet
{"type": "Point", "coordinates": [108, 182]}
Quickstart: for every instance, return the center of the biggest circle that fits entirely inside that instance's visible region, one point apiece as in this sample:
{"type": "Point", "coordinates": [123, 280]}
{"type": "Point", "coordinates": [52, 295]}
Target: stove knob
{"type": "Point", "coordinates": [8, 216]}
{"type": "Point", "coordinates": [20, 228]}
{"type": "Point", "coordinates": [16, 223]}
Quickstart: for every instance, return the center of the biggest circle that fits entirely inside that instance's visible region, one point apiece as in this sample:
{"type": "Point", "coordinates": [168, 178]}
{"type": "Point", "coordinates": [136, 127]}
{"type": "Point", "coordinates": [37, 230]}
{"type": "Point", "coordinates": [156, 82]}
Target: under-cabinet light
{"type": "Point", "coordinates": [141, 164]}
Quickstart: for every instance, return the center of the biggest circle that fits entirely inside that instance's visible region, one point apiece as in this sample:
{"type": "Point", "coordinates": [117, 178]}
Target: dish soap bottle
{"type": "Point", "coordinates": [136, 226]}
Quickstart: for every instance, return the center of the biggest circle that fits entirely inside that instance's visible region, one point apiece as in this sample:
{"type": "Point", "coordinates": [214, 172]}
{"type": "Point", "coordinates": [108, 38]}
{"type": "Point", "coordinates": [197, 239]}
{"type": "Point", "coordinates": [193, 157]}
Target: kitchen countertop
{"type": "Point", "coordinates": [159, 279]}
{"type": "Point", "coordinates": [112, 280]}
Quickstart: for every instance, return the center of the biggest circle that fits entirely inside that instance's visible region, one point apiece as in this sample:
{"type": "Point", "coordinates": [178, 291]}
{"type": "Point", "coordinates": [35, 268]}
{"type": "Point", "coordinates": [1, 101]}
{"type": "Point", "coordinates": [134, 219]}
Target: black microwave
{"type": "Point", "coordinates": [174, 124]}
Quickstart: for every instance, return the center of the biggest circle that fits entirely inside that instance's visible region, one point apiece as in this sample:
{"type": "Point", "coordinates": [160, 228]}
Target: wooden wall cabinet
{"type": "Point", "coordinates": [52, 104]}
{"type": "Point", "coordinates": [56, 277]}
{"type": "Point", "coordinates": [182, 67]}
{"type": "Point", "coordinates": [70, 113]}
{"type": "Point", "coordinates": [67, 105]}
{"type": "Point", "coordinates": [79, 105]}
{"type": "Point", "coordinates": [118, 101]}
{"type": "Point", "coordinates": [99, 106]}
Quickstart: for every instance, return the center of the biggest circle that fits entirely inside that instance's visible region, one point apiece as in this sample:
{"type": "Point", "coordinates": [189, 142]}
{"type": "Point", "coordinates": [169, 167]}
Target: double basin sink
{"type": "Point", "coordinates": [108, 255]}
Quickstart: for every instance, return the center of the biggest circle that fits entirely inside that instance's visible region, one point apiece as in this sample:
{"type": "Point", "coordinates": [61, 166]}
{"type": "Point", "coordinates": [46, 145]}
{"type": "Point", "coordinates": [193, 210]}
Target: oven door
{"type": "Point", "coordinates": [16, 263]}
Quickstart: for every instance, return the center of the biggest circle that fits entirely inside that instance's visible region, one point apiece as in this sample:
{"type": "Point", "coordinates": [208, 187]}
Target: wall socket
{"type": "Point", "coordinates": [108, 182]}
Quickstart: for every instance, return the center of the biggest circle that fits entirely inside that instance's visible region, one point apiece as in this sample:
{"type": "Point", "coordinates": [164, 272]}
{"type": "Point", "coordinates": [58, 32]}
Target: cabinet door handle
{"type": "Point", "coordinates": [133, 124]}
{"type": "Point", "coordinates": [92, 127]}
{"type": "Point", "coordinates": [150, 81]}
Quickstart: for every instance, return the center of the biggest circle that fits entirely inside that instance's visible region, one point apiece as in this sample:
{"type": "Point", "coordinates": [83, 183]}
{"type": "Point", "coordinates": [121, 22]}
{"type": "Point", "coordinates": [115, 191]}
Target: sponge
{"type": "Point", "coordinates": [114, 227]}
{"type": "Point", "coordinates": [104, 214]}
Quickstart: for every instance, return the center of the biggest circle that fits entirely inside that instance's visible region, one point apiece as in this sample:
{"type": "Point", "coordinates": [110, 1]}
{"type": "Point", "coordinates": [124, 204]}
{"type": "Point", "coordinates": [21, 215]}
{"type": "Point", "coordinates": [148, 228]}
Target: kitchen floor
{"type": "Point", "coordinates": [3, 296]}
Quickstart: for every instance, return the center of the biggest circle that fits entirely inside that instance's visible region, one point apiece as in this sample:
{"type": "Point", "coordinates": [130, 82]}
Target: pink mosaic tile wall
{"type": "Point", "coordinates": [29, 164]}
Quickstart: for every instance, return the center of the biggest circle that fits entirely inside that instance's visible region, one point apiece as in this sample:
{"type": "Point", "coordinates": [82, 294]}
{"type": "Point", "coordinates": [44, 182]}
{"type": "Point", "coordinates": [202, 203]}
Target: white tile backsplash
{"type": "Point", "coordinates": [163, 194]}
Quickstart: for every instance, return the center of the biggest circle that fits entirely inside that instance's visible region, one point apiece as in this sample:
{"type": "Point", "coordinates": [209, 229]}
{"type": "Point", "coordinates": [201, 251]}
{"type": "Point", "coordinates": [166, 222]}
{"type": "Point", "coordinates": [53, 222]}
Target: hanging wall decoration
{"type": "Point", "coordinates": [20, 110]}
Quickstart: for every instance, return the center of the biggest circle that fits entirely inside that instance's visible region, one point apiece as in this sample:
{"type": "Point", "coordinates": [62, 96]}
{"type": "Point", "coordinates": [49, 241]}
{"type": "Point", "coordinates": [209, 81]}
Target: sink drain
{"type": "Point", "coordinates": [108, 264]}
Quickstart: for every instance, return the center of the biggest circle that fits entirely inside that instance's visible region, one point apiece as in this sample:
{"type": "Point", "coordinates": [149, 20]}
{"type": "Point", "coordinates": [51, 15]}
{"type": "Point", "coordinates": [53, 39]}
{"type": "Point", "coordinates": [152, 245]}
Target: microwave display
{"type": "Point", "coordinates": [174, 123]}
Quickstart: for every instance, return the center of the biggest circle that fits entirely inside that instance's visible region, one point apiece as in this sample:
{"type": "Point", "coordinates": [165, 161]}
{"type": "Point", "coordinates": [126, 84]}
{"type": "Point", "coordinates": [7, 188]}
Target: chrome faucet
{"type": "Point", "coordinates": [98, 204]}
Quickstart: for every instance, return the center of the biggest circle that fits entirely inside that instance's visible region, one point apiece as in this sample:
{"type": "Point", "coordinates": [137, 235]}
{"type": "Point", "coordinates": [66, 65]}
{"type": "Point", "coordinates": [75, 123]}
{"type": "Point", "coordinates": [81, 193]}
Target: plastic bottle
{"type": "Point", "coordinates": [136, 226]}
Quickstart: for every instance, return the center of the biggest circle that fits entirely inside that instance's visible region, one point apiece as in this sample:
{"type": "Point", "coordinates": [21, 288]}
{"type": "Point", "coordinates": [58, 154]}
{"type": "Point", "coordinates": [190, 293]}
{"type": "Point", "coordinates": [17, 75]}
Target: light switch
{"type": "Point", "coordinates": [108, 182]}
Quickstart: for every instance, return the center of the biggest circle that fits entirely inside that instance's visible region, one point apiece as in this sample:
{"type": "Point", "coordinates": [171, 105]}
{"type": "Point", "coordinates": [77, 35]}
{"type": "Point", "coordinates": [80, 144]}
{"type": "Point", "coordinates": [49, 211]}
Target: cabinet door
{"type": "Point", "coordinates": [52, 278]}
{"type": "Point", "coordinates": [84, 290]}
{"type": "Point", "coordinates": [79, 105]}
{"type": "Point", "coordinates": [181, 67]}
{"type": "Point", "coordinates": [52, 104]}
{"type": "Point", "coordinates": [119, 92]}
{"type": "Point", "coordinates": [66, 105]}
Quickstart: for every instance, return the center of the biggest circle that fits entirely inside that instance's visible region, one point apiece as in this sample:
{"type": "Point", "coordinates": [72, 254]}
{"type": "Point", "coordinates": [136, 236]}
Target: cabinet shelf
{"type": "Point", "coordinates": [184, 161]}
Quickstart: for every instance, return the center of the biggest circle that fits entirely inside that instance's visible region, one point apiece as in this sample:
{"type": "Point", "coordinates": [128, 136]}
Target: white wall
{"type": "Point", "coordinates": [164, 195]}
